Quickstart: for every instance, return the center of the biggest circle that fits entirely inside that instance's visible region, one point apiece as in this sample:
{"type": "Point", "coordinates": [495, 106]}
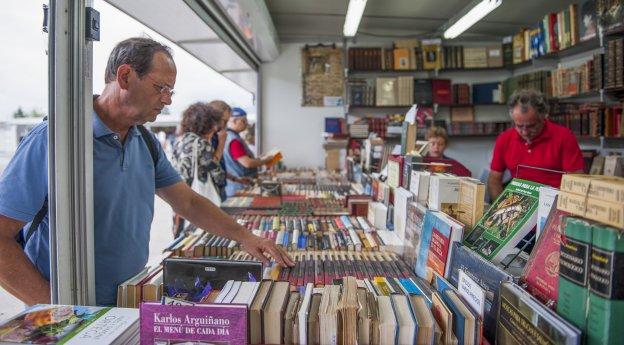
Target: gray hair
{"type": "Point", "coordinates": [526, 98]}
{"type": "Point", "coordinates": [137, 52]}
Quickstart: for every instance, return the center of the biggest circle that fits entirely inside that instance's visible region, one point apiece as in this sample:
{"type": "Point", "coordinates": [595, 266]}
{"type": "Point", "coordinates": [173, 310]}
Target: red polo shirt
{"type": "Point", "coordinates": [556, 148]}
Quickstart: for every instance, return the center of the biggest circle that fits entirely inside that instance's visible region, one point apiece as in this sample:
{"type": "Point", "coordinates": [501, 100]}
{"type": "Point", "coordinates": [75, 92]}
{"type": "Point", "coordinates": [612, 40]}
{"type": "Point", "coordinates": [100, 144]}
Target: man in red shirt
{"type": "Point", "coordinates": [535, 149]}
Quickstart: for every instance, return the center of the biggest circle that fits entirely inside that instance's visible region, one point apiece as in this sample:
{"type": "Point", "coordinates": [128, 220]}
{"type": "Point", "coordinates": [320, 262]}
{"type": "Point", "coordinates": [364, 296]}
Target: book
{"type": "Point", "coordinates": [174, 324]}
{"type": "Point", "coordinates": [193, 279]}
{"type": "Point", "coordinates": [438, 234]}
{"type": "Point", "coordinates": [574, 266]}
{"type": "Point", "coordinates": [423, 92]}
{"type": "Point", "coordinates": [443, 193]}
{"type": "Point", "coordinates": [401, 199]}
{"type": "Point", "coordinates": [406, 323]}
{"type": "Point", "coordinates": [542, 270]}
{"type": "Point", "coordinates": [486, 93]}
{"type": "Point", "coordinates": [547, 197]}
{"type": "Point", "coordinates": [73, 325]}
{"type": "Point", "coordinates": [441, 91]}
{"type": "Point", "coordinates": [487, 275]}
{"type": "Point", "coordinates": [432, 59]}
{"type": "Point", "coordinates": [510, 218]}
{"type": "Point", "coordinates": [444, 318]}
{"type": "Point", "coordinates": [386, 91]}
{"type": "Point", "coordinates": [328, 314]}
{"type": "Point", "coordinates": [424, 319]}
{"type": "Point", "coordinates": [524, 320]}
{"type": "Point", "coordinates": [388, 323]}
{"type": "Point", "coordinates": [606, 289]}
{"type": "Point", "coordinates": [347, 312]}
{"type": "Point", "coordinates": [494, 56]}
{"type": "Point", "coordinates": [303, 313]}
{"type": "Point", "coordinates": [273, 313]}
{"type": "Point", "coordinates": [313, 318]}
{"type": "Point", "coordinates": [255, 312]}
{"type": "Point", "coordinates": [471, 201]}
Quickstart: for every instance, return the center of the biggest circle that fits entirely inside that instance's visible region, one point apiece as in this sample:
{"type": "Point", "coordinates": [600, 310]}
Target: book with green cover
{"type": "Point", "coordinates": [573, 271]}
{"type": "Point", "coordinates": [511, 217]}
{"type": "Point", "coordinates": [606, 287]}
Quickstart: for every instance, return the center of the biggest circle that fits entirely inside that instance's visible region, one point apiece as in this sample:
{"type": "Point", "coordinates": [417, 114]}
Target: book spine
{"type": "Point", "coordinates": [573, 272]}
{"type": "Point", "coordinates": [606, 286]}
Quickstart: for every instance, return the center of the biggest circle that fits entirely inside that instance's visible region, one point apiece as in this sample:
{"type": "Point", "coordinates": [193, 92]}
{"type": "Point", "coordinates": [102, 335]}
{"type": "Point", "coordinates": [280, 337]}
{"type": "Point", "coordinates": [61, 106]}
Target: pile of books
{"type": "Point", "coordinates": [589, 119]}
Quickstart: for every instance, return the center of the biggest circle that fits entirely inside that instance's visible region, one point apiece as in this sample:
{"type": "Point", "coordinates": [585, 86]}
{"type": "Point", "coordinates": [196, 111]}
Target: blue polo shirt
{"type": "Point", "coordinates": [124, 183]}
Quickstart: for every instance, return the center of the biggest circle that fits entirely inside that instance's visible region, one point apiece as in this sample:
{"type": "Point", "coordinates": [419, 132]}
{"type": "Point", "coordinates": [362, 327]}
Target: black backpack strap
{"type": "Point", "coordinates": [34, 225]}
{"type": "Point", "coordinates": [149, 141]}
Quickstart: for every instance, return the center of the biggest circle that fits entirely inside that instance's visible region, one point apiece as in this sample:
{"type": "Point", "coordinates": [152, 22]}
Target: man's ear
{"type": "Point", "coordinates": [123, 76]}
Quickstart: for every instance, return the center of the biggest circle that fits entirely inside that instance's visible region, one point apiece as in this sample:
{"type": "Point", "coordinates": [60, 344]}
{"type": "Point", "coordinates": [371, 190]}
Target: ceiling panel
{"type": "Point", "coordinates": [300, 20]}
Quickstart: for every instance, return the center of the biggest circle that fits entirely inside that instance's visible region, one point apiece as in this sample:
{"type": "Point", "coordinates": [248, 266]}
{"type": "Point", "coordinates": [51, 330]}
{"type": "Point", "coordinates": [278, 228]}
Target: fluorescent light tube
{"type": "Point", "coordinates": [353, 18]}
{"type": "Point", "coordinates": [475, 14]}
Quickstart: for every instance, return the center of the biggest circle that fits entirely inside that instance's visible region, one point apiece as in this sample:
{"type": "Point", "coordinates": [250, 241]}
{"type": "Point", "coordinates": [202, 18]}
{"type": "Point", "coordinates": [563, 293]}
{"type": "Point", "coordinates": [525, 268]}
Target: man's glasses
{"type": "Point", "coordinates": [162, 89]}
{"type": "Point", "coordinates": [527, 128]}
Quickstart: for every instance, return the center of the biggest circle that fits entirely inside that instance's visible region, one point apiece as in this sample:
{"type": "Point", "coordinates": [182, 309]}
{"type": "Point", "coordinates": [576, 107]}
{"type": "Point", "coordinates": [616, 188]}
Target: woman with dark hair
{"type": "Point", "coordinates": [194, 155]}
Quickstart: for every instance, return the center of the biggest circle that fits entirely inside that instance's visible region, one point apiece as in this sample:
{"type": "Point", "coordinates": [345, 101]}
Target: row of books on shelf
{"type": "Point", "coordinates": [610, 165]}
{"type": "Point", "coordinates": [478, 128]}
{"type": "Point", "coordinates": [613, 62]}
{"type": "Point", "coordinates": [424, 55]}
{"type": "Point", "coordinates": [589, 119]}
{"type": "Point", "coordinates": [407, 90]}
{"type": "Point", "coordinates": [577, 80]}
{"type": "Point", "coordinates": [556, 31]}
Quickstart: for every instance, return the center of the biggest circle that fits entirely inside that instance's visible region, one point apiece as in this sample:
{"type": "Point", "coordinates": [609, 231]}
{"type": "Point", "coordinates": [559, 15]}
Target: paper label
{"type": "Point", "coordinates": [472, 293]}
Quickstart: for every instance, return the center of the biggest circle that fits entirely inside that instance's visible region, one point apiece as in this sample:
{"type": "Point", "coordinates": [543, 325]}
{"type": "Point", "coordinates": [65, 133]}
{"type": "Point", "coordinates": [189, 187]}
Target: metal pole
{"type": "Point", "coordinates": [70, 156]}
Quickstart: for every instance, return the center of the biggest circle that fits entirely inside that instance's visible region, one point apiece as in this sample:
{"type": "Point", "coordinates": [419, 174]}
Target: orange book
{"type": "Point", "coordinates": [401, 59]}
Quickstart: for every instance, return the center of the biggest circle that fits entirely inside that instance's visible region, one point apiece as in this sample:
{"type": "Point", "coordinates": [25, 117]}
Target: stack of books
{"type": "Point", "coordinates": [573, 81]}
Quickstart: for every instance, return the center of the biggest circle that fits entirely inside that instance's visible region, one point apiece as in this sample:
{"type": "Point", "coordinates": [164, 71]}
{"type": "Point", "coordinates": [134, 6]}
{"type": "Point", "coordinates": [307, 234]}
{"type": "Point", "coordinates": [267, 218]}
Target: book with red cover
{"type": "Point", "coordinates": [442, 91]}
{"type": "Point", "coordinates": [541, 273]}
{"type": "Point", "coordinates": [456, 167]}
{"type": "Point", "coordinates": [319, 278]}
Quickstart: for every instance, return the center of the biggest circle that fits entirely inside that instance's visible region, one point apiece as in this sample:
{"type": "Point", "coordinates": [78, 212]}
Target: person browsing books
{"type": "Point", "coordinates": [534, 149]}
{"type": "Point", "coordinates": [129, 168]}
{"type": "Point", "coordinates": [438, 140]}
{"type": "Point", "coordinates": [194, 156]}
{"type": "Point", "coordinates": [240, 161]}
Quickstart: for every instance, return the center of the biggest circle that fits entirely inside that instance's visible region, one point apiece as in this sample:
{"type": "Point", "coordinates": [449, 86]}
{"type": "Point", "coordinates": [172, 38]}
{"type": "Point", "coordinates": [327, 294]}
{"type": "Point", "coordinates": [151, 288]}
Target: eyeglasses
{"type": "Point", "coordinates": [527, 128]}
{"type": "Point", "coordinates": [162, 89]}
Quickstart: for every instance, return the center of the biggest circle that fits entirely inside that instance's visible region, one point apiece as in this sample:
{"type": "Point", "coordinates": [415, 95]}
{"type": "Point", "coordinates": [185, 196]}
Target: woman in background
{"type": "Point", "coordinates": [438, 140]}
{"type": "Point", "coordinates": [194, 155]}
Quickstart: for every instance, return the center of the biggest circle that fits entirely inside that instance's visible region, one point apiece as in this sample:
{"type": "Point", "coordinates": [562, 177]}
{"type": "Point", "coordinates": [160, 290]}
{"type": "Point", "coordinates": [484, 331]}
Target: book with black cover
{"type": "Point", "coordinates": [193, 279]}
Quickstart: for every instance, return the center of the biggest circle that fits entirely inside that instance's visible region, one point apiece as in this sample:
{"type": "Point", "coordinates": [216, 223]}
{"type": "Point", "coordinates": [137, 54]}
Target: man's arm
{"type": "Point", "coordinates": [251, 163]}
{"type": "Point", "coordinates": [206, 215]}
{"type": "Point", "coordinates": [18, 275]}
{"type": "Point", "coordinates": [495, 184]}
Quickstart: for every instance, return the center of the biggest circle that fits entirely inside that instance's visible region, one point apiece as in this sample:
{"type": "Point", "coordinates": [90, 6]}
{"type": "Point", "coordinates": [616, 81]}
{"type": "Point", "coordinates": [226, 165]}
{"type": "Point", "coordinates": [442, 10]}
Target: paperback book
{"type": "Point", "coordinates": [198, 324]}
{"type": "Point", "coordinates": [510, 218]}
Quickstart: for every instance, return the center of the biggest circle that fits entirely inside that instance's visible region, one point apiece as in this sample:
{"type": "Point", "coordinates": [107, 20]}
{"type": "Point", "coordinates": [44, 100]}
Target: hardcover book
{"type": "Point", "coordinates": [574, 272]}
{"type": "Point", "coordinates": [541, 273]}
{"type": "Point", "coordinates": [194, 279]}
{"type": "Point", "coordinates": [72, 325]}
{"type": "Point", "coordinates": [524, 320]}
{"type": "Point", "coordinates": [201, 323]}
{"type": "Point", "coordinates": [510, 218]}
{"type": "Point", "coordinates": [606, 286]}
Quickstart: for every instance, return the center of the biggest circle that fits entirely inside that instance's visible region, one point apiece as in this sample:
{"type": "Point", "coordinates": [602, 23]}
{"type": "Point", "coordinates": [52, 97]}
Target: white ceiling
{"type": "Point", "coordinates": [322, 20]}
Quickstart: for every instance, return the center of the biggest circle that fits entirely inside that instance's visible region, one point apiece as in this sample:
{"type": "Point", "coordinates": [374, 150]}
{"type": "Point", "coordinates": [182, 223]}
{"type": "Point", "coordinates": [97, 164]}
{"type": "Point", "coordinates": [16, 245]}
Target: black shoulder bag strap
{"type": "Point", "coordinates": [34, 225]}
{"type": "Point", "coordinates": [149, 141]}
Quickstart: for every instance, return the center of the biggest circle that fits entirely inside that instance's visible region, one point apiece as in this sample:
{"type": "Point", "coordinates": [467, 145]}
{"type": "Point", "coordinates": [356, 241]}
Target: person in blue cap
{"type": "Point", "coordinates": [240, 161]}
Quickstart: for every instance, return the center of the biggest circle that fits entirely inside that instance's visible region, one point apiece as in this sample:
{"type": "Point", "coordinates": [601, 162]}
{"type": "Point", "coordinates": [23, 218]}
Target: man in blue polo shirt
{"type": "Point", "coordinates": [139, 77]}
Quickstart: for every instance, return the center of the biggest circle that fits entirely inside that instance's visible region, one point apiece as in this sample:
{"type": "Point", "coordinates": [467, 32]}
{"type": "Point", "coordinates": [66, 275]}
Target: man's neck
{"type": "Point", "coordinates": [109, 109]}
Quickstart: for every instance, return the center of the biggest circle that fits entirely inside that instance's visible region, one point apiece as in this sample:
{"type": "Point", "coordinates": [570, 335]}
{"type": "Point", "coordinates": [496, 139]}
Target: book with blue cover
{"type": "Point", "coordinates": [438, 233]}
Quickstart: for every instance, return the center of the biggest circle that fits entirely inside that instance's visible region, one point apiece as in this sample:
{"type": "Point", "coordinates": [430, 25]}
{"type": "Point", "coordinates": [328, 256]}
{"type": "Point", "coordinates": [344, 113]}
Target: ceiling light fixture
{"type": "Point", "coordinates": [353, 18]}
{"type": "Point", "coordinates": [475, 14]}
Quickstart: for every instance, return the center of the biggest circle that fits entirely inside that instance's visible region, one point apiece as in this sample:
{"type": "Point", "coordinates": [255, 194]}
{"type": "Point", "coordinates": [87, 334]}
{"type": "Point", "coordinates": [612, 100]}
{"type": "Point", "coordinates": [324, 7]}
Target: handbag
{"type": "Point", "coordinates": [206, 189]}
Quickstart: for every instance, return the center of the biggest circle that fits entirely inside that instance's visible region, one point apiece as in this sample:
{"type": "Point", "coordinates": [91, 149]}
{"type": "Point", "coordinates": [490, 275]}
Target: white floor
{"type": "Point", "coordinates": [160, 237]}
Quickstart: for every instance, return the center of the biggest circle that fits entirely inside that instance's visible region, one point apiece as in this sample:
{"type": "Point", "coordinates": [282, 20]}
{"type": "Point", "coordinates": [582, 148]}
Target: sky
{"type": "Point", "coordinates": [23, 67]}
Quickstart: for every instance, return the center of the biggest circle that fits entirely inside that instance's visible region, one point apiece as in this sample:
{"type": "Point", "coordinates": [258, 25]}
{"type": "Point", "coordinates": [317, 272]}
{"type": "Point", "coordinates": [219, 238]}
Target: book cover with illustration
{"type": "Point", "coordinates": [72, 325]}
{"type": "Point", "coordinates": [214, 324]}
{"type": "Point", "coordinates": [511, 217]}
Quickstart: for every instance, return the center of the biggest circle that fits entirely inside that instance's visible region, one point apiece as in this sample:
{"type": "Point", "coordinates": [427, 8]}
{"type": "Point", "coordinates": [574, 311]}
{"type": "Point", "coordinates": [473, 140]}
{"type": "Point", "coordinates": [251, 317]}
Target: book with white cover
{"type": "Point", "coordinates": [546, 199]}
{"type": "Point", "coordinates": [226, 289]}
{"type": "Point", "coordinates": [303, 314]}
{"type": "Point", "coordinates": [233, 291]}
{"type": "Point", "coordinates": [72, 325]}
{"type": "Point", "coordinates": [246, 293]}
{"type": "Point", "coordinates": [419, 185]}
{"type": "Point", "coordinates": [401, 197]}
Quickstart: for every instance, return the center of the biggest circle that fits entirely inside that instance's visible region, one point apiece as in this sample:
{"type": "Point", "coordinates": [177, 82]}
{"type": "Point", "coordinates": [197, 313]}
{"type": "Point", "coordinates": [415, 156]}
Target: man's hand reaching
{"type": "Point", "coordinates": [258, 247]}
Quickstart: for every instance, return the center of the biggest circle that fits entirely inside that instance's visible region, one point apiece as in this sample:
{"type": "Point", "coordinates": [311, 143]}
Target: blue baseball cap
{"type": "Point", "coordinates": [238, 112]}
